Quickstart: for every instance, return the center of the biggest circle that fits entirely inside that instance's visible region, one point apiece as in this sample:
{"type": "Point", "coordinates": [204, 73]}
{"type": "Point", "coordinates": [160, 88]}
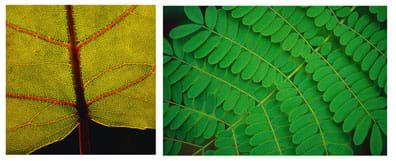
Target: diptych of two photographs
{"type": "Point", "coordinates": [236, 80]}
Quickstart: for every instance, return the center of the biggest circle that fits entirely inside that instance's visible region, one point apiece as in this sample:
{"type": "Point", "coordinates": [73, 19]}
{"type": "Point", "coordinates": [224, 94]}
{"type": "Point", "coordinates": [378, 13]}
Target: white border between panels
{"type": "Point", "coordinates": [159, 70]}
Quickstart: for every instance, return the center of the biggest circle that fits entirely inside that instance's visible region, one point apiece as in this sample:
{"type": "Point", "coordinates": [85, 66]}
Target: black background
{"type": "Point", "coordinates": [106, 140]}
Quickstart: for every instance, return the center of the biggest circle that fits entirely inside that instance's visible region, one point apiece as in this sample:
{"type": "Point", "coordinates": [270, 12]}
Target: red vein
{"type": "Point", "coordinates": [33, 147]}
{"type": "Point", "coordinates": [40, 63]}
{"type": "Point", "coordinates": [37, 35]}
{"type": "Point", "coordinates": [136, 98]}
{"type": "Point", "coordinates": [31, 123]}
{"type": "Point", "coordinates": [112, 69]}
{"type": "Point", "coordinates": [39, 98]}
{"type": "Point", "coordinates": [107, 27]}
{"type": "Point", "coordinates": [32, 118]}
{"type": "Point", "coordinates": [122, 88]}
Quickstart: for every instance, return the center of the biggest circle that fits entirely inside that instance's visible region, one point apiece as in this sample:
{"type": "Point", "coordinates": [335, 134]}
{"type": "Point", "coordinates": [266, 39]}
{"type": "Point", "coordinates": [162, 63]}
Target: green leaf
{"type": "Point", "coordinates": [346, 37]}
{"type": "Point", "coordinates": [315, 11]}
{"type": "Point", "coordinates": [348, 110]}
{"type": "Point", "coordinates": [376, 141]}
{"type": "Point", "coordinates": [183, 30]}
{"type": "Point", "coordinates": [380, 11]}
{"type": "Point", "coordinates": [179, 73]}
{"type": "Point", "coordinates": [352, 120]}
{"type": "Point", "coordinates": [381, 118]}
{"type": "Point", "coordinates": [198, 87]}
{"type": "Point", "coordinates": [290, 42]}
{"type": "Point", "coordinates": [232, 141]}
{"type": "Point", "coordinates": [196, 41]}
{"type": "Point", "coordinates": [281, 34]}
{"type": "Point", "coordinates": [194, 14]}
{"type": "Point", "coordinates": [231, 100]}
{"type": "Point", "coordinates": [361, 23]}
{"type": "Point", "coordinates": [112, 60]}
{"type": "Point", "coordinates": [241, 11]}
{"type": "Point", "coordinates": [343, 12]}
{"type": "Point", "coordinates": [207, 47]}
{"type": "Point", "coordinates": [218, 54]}
{"type": "Point", "coordinates": [210, 17]}
{"type": "Point", "coordinates": [361, 130]}
{"type": "Point", "coordinates": [240, 63]}
{"type": "Point", "coordinates": [375, 69]}
{"type": "Point", "coordinates": [254, 15]}
{"type": "Point", "coordinates": [181, 116]}
{"type": "Point", "coordinates": [323, 18]}
{"type": "Point", "coordinates": [178, 47]}
{"type": "Point", "coordinates": [361, 38]}
{"type": "Point", "coordinates": [167, 47]}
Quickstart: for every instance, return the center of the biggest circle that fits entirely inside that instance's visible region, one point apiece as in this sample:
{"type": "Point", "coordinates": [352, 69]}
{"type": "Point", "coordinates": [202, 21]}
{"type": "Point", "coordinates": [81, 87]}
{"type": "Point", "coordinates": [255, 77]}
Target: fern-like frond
{"type": "Point", "coordinates": [277, 80]}
{"type": "Point", "coordinates": [364, 40]}
{"type": "Point", "coordinates": [233, 141]}
{"type": "Point", "coordinates": [336, 74]}
{"type": "Point", "coordinates": [240, 94]}
{"type": "Point", "coordinates": [269, 136]}
{"type": "Point", "coordinates": [311, 121]}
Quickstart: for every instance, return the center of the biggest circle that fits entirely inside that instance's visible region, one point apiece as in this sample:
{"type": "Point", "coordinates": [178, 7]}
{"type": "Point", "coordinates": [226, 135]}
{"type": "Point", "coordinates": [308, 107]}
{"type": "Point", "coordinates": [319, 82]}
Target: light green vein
{"type": "Point", "coordinates": [217, 78]}
{"type": "Point", "coordinates": [229, 128]}
{"type": "Point", "coordinates": [197, 111]}
{"type": "Point", "coordinates": [280, 72]}
{"type": "Point", "coordinates": [183, 142]}
{"type": "Point", "coordinates": [354, 31]}
{"type": "Point", "coordinates": [224, 81]}
{"type": "Point", "coordinates": [328, 63]}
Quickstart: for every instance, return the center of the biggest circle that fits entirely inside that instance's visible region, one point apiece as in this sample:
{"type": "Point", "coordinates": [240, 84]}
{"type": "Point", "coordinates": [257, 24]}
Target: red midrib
{"type": "Point", "coordinates": [81, 105]}
{"type": "Point", "coordinates": [74, 51]}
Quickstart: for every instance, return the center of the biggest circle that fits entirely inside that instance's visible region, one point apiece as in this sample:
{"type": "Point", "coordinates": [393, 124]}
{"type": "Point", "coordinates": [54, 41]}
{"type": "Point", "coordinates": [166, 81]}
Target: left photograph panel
{"type": "Point", "coordinates": [80, 79]}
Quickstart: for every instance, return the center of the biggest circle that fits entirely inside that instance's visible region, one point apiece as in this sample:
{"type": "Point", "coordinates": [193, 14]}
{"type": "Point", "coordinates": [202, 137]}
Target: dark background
{"type": "Point", "coordinates": [174, 16]}
{"type": "Point", "coordinates": [106, 140]}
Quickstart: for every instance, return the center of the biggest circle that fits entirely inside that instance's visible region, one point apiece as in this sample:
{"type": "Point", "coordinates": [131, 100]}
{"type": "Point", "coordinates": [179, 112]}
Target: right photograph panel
{"type": "Point", "coordinates": [275, 80]}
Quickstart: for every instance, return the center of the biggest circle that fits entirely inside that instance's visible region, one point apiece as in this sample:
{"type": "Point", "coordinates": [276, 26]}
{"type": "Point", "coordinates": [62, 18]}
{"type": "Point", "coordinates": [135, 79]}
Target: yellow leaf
{"type": "Point", "coordinates": [64, 61]}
